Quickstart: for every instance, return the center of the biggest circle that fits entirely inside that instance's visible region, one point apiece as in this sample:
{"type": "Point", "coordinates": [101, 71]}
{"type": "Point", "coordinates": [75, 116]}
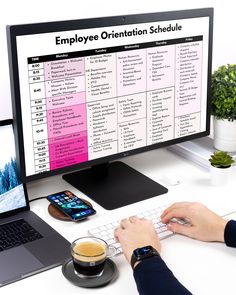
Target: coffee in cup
{"type": "Point", "coordinates": [89, 255]}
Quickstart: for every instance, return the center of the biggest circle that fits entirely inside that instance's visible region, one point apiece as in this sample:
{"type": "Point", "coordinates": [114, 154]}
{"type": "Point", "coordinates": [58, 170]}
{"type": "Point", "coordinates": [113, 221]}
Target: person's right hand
{"type": "Point", "coordinates": [203, 224]}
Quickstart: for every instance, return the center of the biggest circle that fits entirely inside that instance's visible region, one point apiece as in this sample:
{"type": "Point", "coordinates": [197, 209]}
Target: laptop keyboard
{"type": "Point", "coordinates": [16, 233]}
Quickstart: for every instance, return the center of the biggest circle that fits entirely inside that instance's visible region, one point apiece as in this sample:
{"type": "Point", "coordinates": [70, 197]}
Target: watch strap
{"type": "Point", "coordinates": [133, 260]}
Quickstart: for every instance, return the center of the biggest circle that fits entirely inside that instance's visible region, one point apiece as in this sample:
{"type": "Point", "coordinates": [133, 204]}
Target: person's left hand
{"type": "Point", "coordinates": [136, 233]}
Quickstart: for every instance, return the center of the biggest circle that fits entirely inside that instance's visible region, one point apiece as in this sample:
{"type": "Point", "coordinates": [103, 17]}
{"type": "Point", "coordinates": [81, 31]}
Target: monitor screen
{"type": "Point", "coordinates": [90, 91]}
{"type": "Point", "coordinates": [12, 195]}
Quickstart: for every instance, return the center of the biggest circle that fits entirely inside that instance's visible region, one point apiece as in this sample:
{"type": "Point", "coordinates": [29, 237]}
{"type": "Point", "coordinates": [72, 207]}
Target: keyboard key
{"type": "Point", "coordinates": [115, 224]}
{"type": "Point", "coordinates": [110, 241]}
{"type": "Point", "coordinates": [141, 215]}
{"type": "Point", "coordinates": [109, 226]}
{"type": "Point", "coordinates": [94, 231]}
{"type": "Point", "coordinates": [103, 233]}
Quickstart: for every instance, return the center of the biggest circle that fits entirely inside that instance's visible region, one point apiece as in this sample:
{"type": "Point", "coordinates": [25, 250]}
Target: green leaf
{"type": "Point", "coordinates": [223, 87]}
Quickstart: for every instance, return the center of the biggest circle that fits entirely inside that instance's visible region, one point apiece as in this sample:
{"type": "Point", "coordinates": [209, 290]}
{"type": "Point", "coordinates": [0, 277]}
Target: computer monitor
{"type": "Point", "coordinates": [87, 92]}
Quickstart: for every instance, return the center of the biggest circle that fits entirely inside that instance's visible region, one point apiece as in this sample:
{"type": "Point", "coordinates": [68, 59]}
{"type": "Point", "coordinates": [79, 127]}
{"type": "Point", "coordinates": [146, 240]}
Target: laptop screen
{"type": "Point", "coordinates": [12, 195]}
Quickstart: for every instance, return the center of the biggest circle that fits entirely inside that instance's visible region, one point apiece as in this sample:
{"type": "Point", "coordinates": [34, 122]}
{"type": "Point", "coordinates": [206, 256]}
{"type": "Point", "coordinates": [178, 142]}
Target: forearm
{"type": "Point", "coordinates": [153, 277]}
{"type": "Point", "coordinates": [230, 233]}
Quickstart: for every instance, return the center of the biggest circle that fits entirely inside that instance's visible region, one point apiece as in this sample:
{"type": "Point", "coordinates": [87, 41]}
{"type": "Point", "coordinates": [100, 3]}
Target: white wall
{"type": "Point", "coordinates": [28, 11]}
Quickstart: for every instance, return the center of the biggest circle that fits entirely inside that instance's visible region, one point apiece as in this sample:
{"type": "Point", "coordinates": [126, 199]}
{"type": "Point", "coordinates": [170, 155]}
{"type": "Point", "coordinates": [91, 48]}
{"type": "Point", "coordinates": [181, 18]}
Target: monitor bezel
{"type": "Point", "coordinates": [27, 29]}
{"type": "Point", "coordinates": [9, 122]}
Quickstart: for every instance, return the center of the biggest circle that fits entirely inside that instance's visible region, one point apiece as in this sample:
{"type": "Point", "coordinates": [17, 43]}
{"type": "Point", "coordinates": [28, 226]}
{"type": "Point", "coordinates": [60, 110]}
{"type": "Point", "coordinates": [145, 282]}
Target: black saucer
{"type": "Point", "coordinates": [110, 273]}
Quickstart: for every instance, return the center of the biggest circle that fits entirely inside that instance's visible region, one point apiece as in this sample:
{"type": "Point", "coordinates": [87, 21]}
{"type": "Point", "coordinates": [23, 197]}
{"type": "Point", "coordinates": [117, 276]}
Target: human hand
{"type": "Point", "coordinates": [203, 224]}
{"type": "Point", "coordinates": [135, 233]}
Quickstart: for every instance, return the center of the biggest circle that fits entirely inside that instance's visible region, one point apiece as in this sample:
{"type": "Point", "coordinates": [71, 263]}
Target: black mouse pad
{"type": "Point", "coordinates": [110, 273]}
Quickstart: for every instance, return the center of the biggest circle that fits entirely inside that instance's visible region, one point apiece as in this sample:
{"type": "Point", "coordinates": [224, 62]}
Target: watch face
{"type": "Point", "coordinates": [144, 251]}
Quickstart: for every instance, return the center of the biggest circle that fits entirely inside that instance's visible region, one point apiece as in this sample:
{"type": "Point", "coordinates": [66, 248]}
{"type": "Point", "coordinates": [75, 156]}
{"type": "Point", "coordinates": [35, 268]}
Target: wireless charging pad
{"type": "Point", "coordinates": [58, 214]}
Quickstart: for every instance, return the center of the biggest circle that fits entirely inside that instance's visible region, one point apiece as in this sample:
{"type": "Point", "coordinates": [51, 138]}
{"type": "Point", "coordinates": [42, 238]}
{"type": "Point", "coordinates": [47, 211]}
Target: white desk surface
{"type": "Point", "coordinates": [204, 268]}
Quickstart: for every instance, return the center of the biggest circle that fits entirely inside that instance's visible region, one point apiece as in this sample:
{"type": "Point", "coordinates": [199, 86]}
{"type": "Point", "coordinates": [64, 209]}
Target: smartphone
{"type": "Point", "coordinates": [71, 205]}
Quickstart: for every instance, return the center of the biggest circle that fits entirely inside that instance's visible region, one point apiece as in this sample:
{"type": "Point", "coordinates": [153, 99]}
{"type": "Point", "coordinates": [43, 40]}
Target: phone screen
{"type": "Point", "coordinates": [71, 205]}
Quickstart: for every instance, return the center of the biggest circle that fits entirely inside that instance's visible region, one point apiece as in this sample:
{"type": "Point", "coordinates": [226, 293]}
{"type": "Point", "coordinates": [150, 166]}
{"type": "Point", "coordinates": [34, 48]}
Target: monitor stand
{"type": "Point", "coordinates": [114, 185]}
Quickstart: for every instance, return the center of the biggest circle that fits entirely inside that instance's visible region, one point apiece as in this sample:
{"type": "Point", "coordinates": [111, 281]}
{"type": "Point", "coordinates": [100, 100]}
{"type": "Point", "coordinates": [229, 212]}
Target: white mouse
{"type": "Point", "coordinates": [171, 179]}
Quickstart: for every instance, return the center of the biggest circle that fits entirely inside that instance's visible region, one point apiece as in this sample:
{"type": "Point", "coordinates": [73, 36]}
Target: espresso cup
{"type": "Point", "coordinates": [89, 255]}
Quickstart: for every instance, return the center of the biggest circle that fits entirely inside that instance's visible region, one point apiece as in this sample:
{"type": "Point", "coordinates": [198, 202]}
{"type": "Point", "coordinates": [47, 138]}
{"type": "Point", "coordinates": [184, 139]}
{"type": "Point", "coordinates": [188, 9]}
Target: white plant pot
{"type": "Point", "coordinates": [225, 135]}
{"type": "Point", "coordinates": [220, 176]}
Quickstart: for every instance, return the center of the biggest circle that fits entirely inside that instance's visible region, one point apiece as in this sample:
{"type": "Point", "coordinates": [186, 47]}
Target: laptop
{"type": "Point", "coordinates": [28, 245]}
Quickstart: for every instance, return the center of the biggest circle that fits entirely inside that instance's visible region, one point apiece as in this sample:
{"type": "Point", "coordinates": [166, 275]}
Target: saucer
{"type": "Point", "coordinates": [110, 273]}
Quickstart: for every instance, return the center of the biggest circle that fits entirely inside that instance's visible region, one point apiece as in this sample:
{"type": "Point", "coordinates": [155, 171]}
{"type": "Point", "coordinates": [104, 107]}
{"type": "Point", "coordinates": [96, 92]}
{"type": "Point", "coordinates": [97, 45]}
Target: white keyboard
{"type": "Point", "coordinates": [106, 232]}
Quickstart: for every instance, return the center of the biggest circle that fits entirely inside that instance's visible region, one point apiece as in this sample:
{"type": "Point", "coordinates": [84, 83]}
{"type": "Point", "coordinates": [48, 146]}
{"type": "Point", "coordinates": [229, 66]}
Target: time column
{"type": "Point", "coordinates": [38, 115]}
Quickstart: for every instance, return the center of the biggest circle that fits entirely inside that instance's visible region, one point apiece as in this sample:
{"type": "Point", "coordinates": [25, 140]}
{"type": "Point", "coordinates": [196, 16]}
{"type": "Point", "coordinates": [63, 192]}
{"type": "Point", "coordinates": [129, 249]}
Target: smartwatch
{"type": "Point", "coordinates": [140, 254]}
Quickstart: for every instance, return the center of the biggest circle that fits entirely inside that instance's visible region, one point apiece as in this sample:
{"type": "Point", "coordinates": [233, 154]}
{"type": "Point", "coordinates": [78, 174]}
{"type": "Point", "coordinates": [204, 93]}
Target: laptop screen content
{"type": "Point", "coordinates": [12, 194]}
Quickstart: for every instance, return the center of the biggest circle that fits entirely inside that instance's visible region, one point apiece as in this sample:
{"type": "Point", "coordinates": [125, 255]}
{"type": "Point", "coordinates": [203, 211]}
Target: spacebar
{"type": "Point", "coordinates": [165, 234]}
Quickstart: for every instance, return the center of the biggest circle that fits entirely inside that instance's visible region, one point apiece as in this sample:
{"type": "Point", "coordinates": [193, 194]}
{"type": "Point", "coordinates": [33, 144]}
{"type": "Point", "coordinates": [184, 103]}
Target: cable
{"type": "Point", "coordinates": [39, 198]}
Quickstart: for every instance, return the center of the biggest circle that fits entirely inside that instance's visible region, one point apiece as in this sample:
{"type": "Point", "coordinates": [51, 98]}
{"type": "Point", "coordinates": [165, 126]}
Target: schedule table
{"type": "Point", "coordinates": [94, 103]}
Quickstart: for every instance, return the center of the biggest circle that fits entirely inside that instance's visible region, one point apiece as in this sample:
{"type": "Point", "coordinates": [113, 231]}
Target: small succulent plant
{"type": "Point", "coordinates": [221, 159]}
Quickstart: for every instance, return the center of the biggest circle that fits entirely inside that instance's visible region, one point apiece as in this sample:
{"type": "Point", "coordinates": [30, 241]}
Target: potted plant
{"type": "Point", "coordinates": [223, 107]}
{"type": "Point", "coordinates": [220, 167]}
